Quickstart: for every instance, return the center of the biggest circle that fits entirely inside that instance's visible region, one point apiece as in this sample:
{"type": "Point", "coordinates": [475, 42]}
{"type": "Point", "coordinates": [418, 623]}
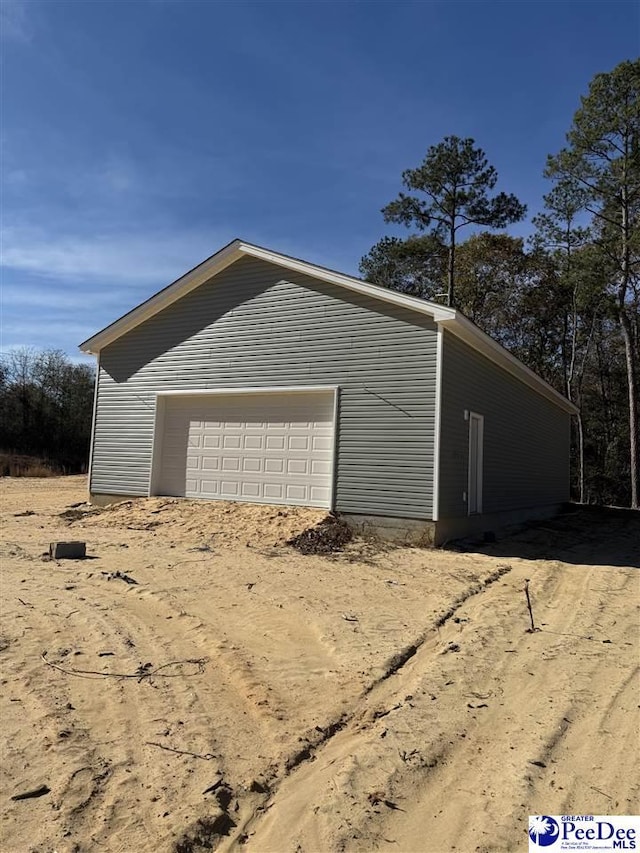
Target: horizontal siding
{"type": "Point", "coordinates": [526, 437]}
{"type": "Point", "coordinates": [257, 325]}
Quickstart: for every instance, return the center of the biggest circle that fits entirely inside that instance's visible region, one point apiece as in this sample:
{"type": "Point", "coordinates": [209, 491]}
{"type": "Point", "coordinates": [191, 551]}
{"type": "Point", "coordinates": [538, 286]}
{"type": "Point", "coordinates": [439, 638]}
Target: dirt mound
{"type": "Point", "coordinates": [215, 522]}
{"type": "Point", "coordinates": [328, 536]}
{"type": "Point", "coordinates": [78, 512]}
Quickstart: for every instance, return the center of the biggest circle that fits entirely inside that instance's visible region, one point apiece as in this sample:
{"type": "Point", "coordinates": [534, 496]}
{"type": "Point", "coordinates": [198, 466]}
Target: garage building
{"type": "Point", "coordinates": [260, 377]}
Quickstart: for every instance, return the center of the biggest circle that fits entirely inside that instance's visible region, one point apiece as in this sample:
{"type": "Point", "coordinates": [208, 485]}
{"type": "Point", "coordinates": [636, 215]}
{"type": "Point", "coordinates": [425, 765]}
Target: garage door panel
{"type": "Point", "coordinates": [229, 488]}
{"type": "Point", "coordinates": [320, 495]}
{"type": "Point", "coordinates": [275, 442]}
{"type": "Point", "coordinates": [296, 493]}
{"type": "Point", "coordinates": [299, 442]}
{"type": "Point", "coordinates": [273, 491]}
{"type": "Point", "coordinates": [251, 490]}
{"type": "Point", "coordinates": [231, 442]}
{"type": "Point", "coordinates": [321, 442]}
{"type": "Point", "coordinates": [267, 448]}
{"type": "Point", "coordinates": [230, 463]}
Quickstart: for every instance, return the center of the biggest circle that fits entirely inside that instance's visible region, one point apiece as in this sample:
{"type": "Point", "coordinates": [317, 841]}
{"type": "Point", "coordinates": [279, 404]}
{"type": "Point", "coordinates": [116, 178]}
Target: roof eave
{"type": "Point", "coordinates": [224, 258]}
{"type": "Point", "coordinates": [448, 318]}
{"type": "Point", "coordinates": [163, 298]}
{"type": "Point", "coordinates": [467, 331]}
{"type": "Point", "coordinates": [432, 309]}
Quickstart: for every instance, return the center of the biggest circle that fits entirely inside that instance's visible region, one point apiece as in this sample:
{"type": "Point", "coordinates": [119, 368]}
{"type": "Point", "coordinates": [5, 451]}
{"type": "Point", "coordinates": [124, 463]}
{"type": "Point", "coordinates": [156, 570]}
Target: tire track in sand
{"type": "Point", "coordinates": [499, 731]}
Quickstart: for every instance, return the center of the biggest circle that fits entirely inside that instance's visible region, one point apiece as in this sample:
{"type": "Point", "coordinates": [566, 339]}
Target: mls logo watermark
{"type": "Point", "coordinates": [543, 831]}
{"type": "Point", "coordinates": [583, 832]}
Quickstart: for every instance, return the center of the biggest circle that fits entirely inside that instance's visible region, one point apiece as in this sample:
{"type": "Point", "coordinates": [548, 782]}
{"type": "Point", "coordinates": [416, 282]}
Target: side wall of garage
{"type": "Point", "coordinates": [258, 325]}
{"type": "Point", "coordinates": [526, 439]}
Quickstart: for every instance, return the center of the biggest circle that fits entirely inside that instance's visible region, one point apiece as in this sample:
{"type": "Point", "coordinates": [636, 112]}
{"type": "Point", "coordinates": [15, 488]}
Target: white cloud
{"type": "Point", "coordinates": [16, 178]}
{"type": "Point", "coordinates": [118, 176]}
{"type": "Point", "coordinates": [39, 333]}
{"type": "Point", "coordinates": [59, 289]}
{"type": "Point", "coordinates": [14, 21]}
{"type": "Point", "coordinates": [146, 258]}
{"type": "Point", "coordinates": [101, 182]}
{"type": "Point", "coordinates": [58, 298]}
{"type": "Point", "coordinates": [39, 336]}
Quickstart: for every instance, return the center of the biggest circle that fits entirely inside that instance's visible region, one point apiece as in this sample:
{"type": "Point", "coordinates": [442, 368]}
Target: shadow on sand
{"type": "Point", "coordinates": [584, 535]}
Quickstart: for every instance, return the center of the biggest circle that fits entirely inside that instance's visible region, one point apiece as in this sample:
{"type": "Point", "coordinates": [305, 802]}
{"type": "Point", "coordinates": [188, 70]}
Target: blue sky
{"type": "Point", "coordinates": [140, 137]}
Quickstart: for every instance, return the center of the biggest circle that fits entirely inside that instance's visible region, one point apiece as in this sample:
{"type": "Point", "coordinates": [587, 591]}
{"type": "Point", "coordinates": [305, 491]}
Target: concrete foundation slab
{"type": "Point", "coordinates": [425, 533]}
{"type": "Point", "coordinates": [404, 531]}
{"type": "Point", "coordinates": [487, 524]}
{"type": "Point", "coordinates": [106, 500]}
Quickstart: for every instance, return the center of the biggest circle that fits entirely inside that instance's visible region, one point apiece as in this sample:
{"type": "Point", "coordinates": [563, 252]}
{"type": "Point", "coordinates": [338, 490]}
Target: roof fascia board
{"type": "Point", "coordinates": [464, 329]}
{"type": "Point", "coordinates": [165, 297]}
{"type": "Point", "coordinates": [224, 258]}
{"type": "Point", "coordinates": [448, 317]}
{"type": "Point", "coordinates": [432, 309]}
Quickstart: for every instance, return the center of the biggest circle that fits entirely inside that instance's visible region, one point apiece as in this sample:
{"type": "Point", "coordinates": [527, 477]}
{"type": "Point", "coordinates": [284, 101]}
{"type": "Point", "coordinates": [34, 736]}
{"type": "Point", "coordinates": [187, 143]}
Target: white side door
{"type": "Point", "coordinates": [476, 441]}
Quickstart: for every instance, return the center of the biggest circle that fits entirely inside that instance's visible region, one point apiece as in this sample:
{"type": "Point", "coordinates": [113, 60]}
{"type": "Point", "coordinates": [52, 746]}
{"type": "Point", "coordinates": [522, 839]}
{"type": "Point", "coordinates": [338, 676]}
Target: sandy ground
{"type": "Point", "coordinates": [241, 696]}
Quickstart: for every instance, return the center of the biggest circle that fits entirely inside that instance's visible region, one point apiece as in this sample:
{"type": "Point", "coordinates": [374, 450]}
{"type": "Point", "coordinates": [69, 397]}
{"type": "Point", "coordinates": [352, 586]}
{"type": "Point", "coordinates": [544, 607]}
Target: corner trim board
{"type": "Point", "coordinates": [437, 425]}
{"type": "Point", "coordinates": [334, 455]}
{"type": "Point", "coordinates": [93, 421]}
{"type": "Point", "coordinates": [156, 444]}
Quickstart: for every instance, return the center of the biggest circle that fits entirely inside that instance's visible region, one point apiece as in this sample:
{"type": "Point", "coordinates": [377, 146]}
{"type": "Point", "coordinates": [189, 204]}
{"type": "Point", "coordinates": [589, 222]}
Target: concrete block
{"type": "Point", "coordinates": [68, 550]}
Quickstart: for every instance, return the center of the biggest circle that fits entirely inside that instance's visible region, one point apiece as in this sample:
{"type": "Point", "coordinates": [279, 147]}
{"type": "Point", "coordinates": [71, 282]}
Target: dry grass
{"type": "Point", "coordinates": [14, 465]}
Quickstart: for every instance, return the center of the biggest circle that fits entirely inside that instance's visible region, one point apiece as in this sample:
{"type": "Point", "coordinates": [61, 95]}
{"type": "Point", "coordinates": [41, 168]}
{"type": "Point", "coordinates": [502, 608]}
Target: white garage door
{"type": "Point", "coordinates": [270, 447]}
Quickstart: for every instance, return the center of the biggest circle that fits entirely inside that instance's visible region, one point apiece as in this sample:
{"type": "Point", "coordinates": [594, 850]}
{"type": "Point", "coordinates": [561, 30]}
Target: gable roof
{"type": "Point", "coordinates": [448, 318]}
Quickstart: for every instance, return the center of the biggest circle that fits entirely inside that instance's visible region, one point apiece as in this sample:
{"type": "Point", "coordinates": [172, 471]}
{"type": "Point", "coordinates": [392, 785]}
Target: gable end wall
{"type": "Point", "coordinates": [258, 325]}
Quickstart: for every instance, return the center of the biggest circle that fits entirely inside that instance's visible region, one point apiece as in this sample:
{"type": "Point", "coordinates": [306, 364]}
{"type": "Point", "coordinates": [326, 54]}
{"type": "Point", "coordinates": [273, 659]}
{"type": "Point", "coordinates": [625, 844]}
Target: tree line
{"type": "Point", "coordinates": [567, 301]}
{"type": "Point", "coordinates": [46, 403]}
